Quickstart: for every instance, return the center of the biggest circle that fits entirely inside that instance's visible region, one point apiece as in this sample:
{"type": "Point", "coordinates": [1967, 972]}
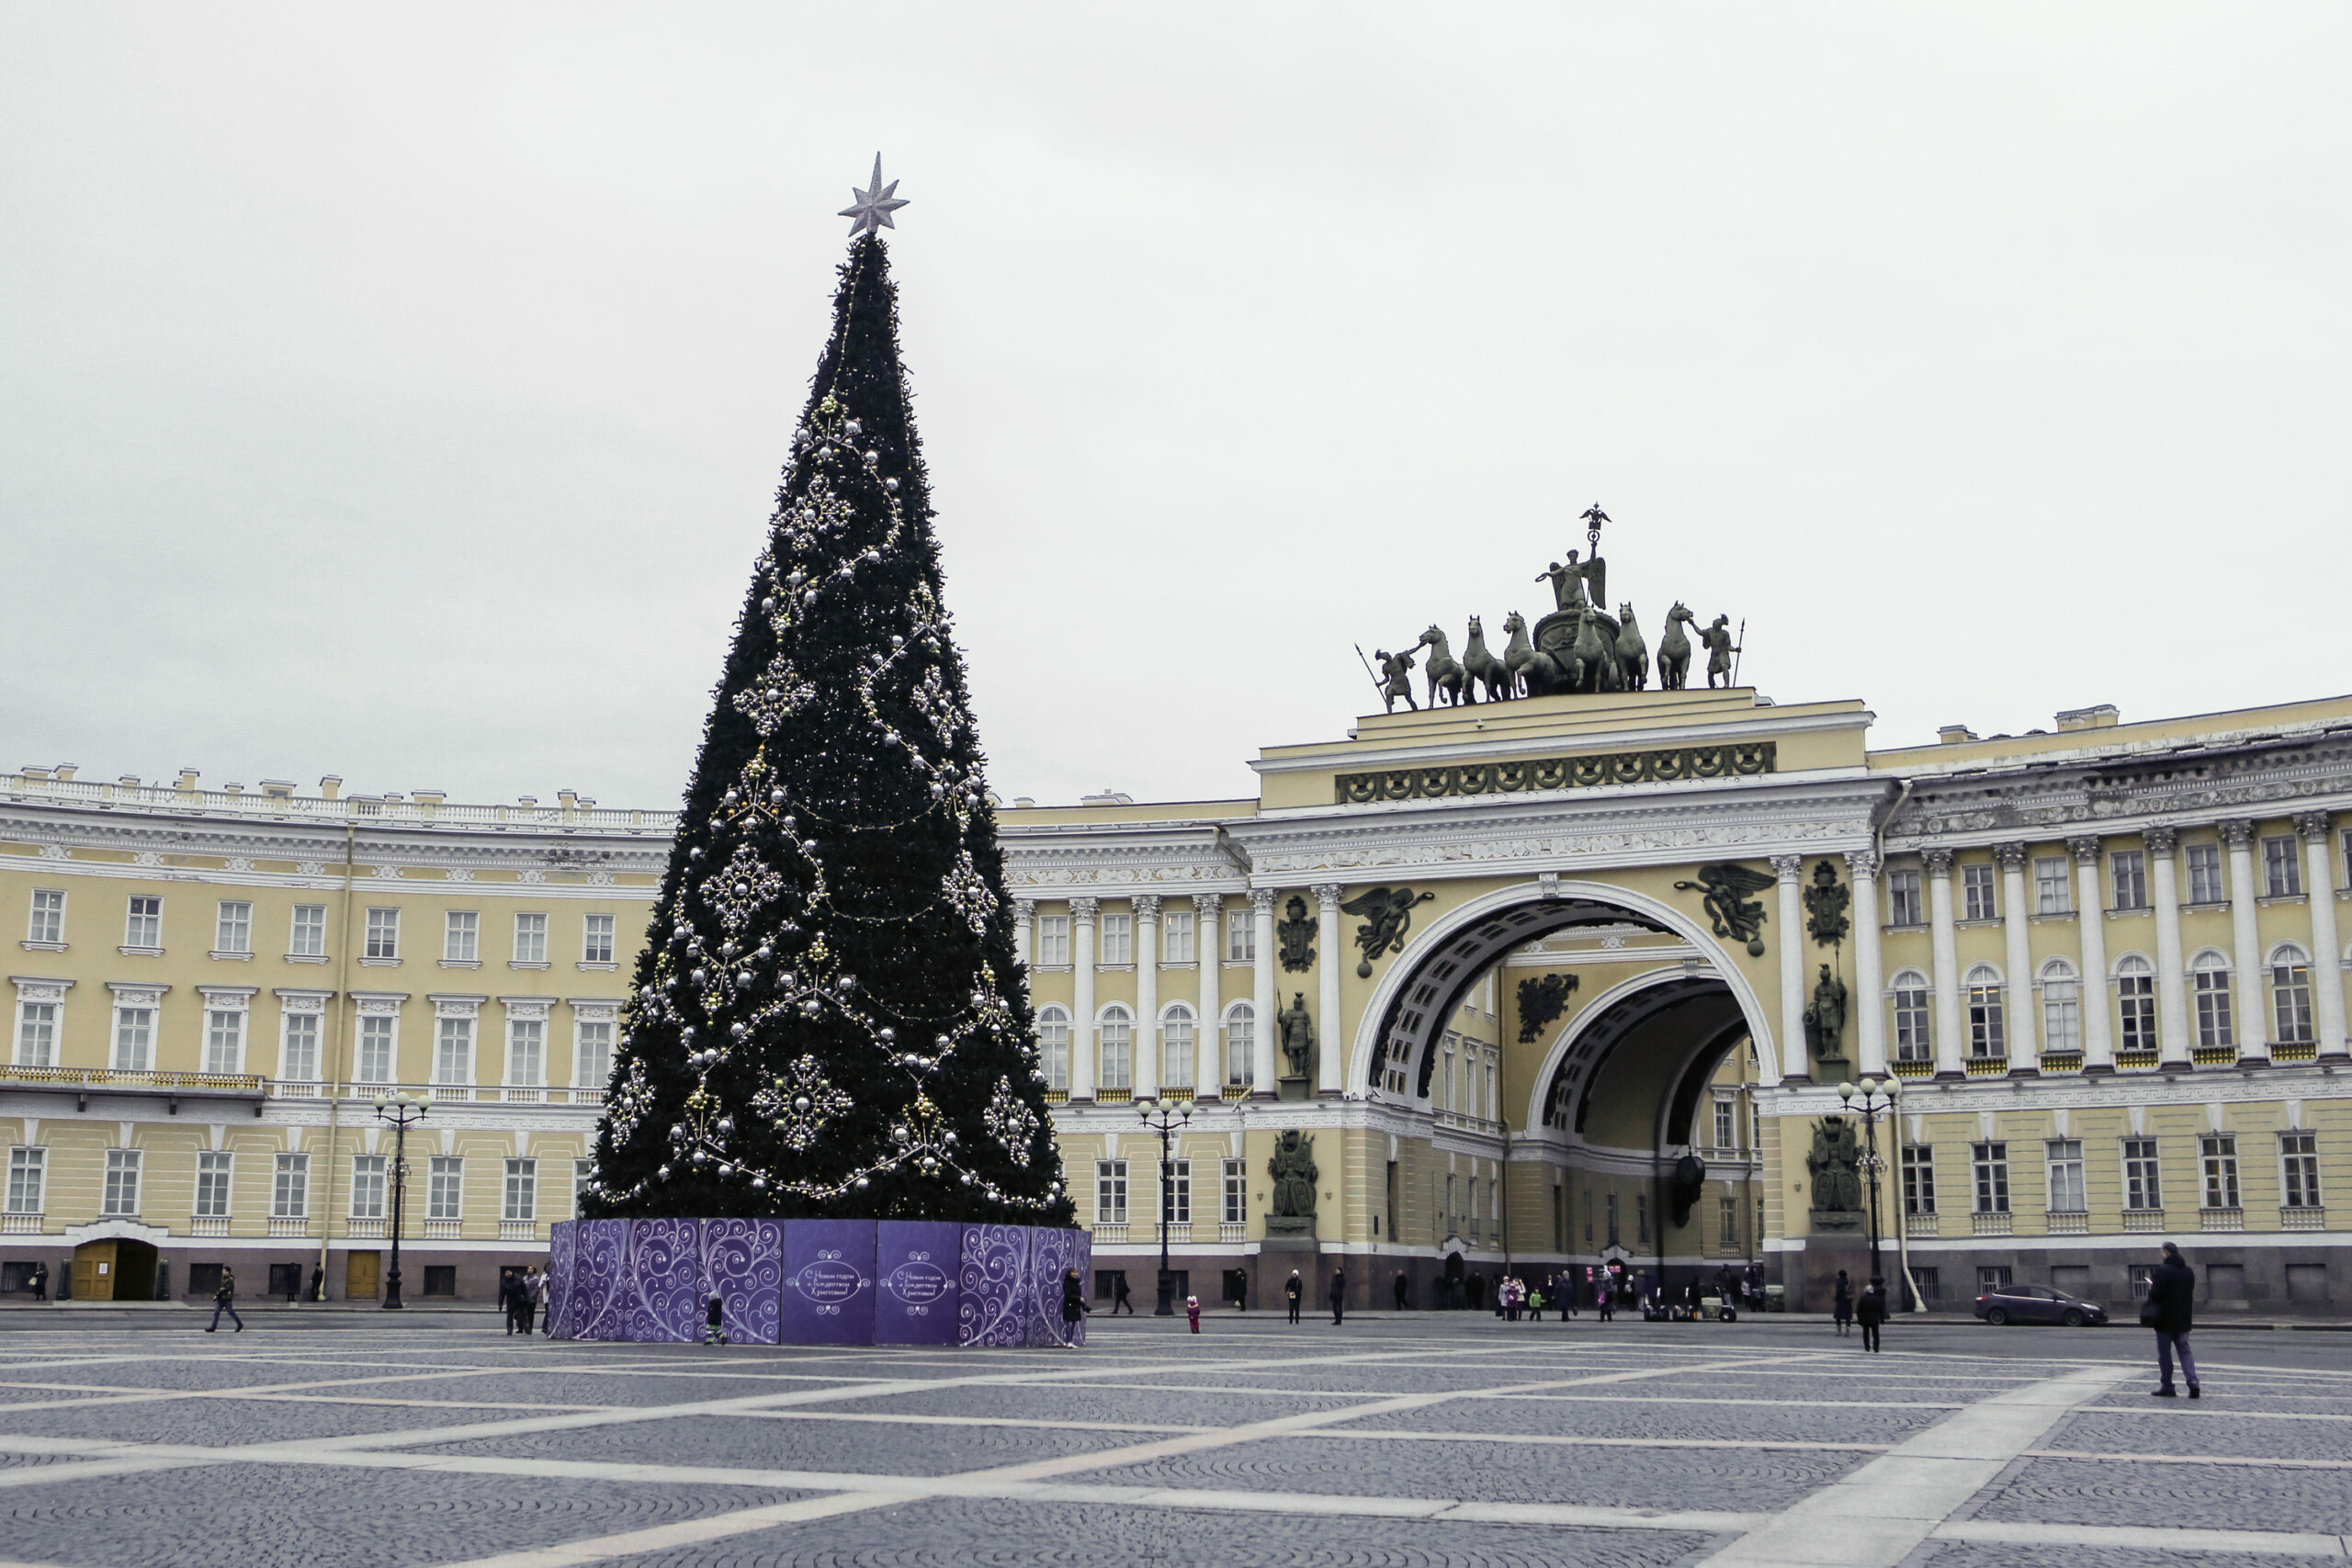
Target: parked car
{"type": "Point", "coordinates": [2038, 1304]}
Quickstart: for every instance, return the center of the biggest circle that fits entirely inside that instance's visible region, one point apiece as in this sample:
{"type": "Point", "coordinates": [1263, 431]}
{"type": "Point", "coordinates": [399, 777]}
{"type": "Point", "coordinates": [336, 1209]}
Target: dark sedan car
{"type": "Point", "coordinates": [2037, 1304]}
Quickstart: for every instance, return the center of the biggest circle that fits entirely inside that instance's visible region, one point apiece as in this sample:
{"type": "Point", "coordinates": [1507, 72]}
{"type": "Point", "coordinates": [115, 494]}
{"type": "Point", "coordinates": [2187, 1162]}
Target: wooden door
{"type": "Point", "coordinates": [93, 1272]}
{"type": "Point", "coordinates": [362, 1276]}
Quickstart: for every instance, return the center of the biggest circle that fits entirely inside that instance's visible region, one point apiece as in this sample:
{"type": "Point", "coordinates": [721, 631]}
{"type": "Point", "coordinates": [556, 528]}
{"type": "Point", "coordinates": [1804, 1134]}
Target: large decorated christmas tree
{"type": "Point", "coordinates": [828, 1020]}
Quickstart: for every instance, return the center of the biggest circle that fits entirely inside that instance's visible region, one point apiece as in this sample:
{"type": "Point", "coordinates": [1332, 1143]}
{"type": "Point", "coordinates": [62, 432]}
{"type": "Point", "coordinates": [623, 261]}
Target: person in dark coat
{"type": "Point", "coordinates": [2170, 1311]}
{"type": "Point", "coordinates": [1870, 1312]}
{"type": "Point", "coordinates": [1400, 1290]}
{"type": "Point", "coordinates": [318, 1283]}
{"type": "Point", "coordinates": [1073, 1306]}
{"type": "Point", "coordinates": [224, 1299]}
{"type": "Point", "coordinates": [40, 1281]}
{"type": "Point", "coordinates": [1841, 1304]}
{"type": "Point", "coordinates": [1119, 1294]}
{"type": "Point", "coordinates": [1339, 1294]}
{"type": "Point", "coordinates": [1293, 1289]}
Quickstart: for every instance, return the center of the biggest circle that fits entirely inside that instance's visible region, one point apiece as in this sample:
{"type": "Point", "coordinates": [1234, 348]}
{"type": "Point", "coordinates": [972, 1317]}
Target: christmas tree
{"type": "Point", "coordinates": [828, 1019]}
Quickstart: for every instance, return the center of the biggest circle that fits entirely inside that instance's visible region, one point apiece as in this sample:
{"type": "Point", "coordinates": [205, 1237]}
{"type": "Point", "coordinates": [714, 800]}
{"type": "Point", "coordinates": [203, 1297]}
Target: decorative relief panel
{"type": "Point", "coordinates": [1734, 759]}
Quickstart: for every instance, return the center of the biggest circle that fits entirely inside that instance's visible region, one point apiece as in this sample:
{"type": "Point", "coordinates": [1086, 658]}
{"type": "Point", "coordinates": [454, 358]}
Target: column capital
{"type": "Point", "coordinates": [1861, 865]}
{"type": "Point", "coordinates": [1786, 867]}
{"type": "Point", "coordinates": [1938, 858]}
{"type": "Point", "coordinates": [1262, 900]}
{"type": "Point", "coordinates": [2161, 841]}
{"type": "Point", "coordinates": [1327, 896]}
{"type": "Point", "coordinates": [2011, 856]}
{"type": "Point", "coordinates": [1025, 909]}
{"type": "Point", "coordinates": [1083, 909]}
{"type": "Point", "coordinates": [1147, 906]}
{"type": "Point", "coordinates": [1208, 904]}
{"type": "Point", "coordinates": [2237, 832]}
{"type": "Point", "coordinates": [2085, 849]}
{"type": "Point", "coordinates": [2311, 824]}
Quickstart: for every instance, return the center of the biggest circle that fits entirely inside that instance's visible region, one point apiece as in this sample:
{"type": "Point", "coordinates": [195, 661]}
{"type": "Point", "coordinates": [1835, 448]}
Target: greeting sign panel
{"type": "Point", "coordinates": [1052, 1253]}
{"type": "Point", "coordinates": [562, 1257]}
{"type": "Point", "coordinates": [600, 1280]}
{"type": "Point", "coordinates": [989, 1309]}
{"type": "Point", "coordinates": [665, 1300]}
{"type": "Point", "coordinates": [742, 1260]}
{"type": "Point", "coordinates": [917, 1273]}
{"type": "Point", "coordinates": [828, 1282]}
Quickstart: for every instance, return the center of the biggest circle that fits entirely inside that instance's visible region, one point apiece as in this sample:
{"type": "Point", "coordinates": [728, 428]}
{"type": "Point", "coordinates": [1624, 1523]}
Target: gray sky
{"type": "Point", "coordinates": [398, 392]}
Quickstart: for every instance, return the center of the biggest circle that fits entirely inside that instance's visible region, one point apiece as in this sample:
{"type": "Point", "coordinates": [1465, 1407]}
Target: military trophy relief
{"type": "Point", "coordinates": [1294, 937]}
{"type": "Point", "coordinates": [1290, 1214]}
{"type": "Point", "coordinates": [1836, 1165]}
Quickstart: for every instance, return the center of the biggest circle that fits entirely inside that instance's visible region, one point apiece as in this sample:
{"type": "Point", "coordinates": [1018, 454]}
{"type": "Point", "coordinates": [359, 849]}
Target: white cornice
{"type": "Point", "coordinates": [1753, 725]}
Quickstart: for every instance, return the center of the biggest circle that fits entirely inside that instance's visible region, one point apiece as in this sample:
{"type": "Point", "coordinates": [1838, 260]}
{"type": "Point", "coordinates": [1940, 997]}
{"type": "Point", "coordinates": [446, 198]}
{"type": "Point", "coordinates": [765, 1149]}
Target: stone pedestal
{"type": "Point", "coordinates": [1289, 1242]}
{"type": "Point", "coordinates": [1840, 1240]}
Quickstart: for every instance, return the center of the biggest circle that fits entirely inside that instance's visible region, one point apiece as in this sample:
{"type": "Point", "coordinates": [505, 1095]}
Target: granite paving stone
{"type": "Point", "coordinates": [782, 1443]}
{"type": "Point", "coordinates": [2098, 1492]}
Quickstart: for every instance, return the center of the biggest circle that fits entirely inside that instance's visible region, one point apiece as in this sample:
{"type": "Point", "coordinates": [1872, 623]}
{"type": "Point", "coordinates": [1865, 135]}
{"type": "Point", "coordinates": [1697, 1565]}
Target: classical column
{"type": "Point", "coordinates": [1796, 1061]}
{"type": "Point", "coordinates": [1263, 1084]}
{"type": "Point", "coordinates": [2024, 1016]}
{"type": "Point", "coordinates": [1082, 978]}
{"type": "Point", "coordinates": [2246, 936]}
{"type": "Point", "coordinates": [2327, 973]}
{"type": "Point", "coordinates": [2090, 917]}
{"type": "Point", "coordinates": [1331, 1049]}
{"type": "Point", "coordinates": [1146, 955]}
{"type": "Point", "coordinates": [1869, 1008]}
{"type": "Point", "coordinates": [1945, 946]}
{"type": "Point", "coordinates": [1024, 917]}
{"type": "Point", "coordinates": [1209, 1040]}
{"type": "Point", "coordinates": [2172, 972]}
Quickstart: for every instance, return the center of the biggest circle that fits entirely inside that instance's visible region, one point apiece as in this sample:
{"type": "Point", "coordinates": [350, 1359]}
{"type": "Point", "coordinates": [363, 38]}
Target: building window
{"type": "Point", "coordinates": [1986, 1034]}
{"type": "Point", "coordinates": [122, 1183]}
{"type": "Point", "coordinates": [1992, 1166]}
{"type": "Point", "coordinates": [143, 927]}
{"type": "Point", "coordinates": [1242, 937]}
{"type": "Point", "coordinates": [224, 1041]}
{"type": "Point", "coordinates": [2282, 868]}
{"type": "Point", "coordinates": [2220, 1152]}
{"type": "Point", "coordinates": [134, 1038]}
{"type": "Point", "coordinates": [461, 937]}
{"type": "Point", "coordinates": [592, 1065]}
{"type": "Point", "coordinates": [2205, 873]}
{"type": "Point", "coordinates": [2143, 1276]}
{"type": "Point", "coordinates": [1118, 1048]}
{"type": "Point", "coordinates": [233, 932]}
{"type": "Point", "coordinates": [299, 1058]}
{"type": "Point", "coordinates": [2129, 870]}
{"type": "Point", "coordinates": [1237, 1190]}
{"type": "Point", "coordinates": [522, 1190]}
{"type": "Point", "coordinates": [47, 923]}
{"type": "Point", "coordinates": [1918, 1178]}
{"type": "Point", "coordinates": [1053, 1046]}
{"type": "Point", "coordinates": [596, 939]}
{"type": "Point", "coordinates": [1903, 904]}
{"type": "Point", "coordinates": [368, 1187]}
{"type": "Point", "coordinates": [212, 1184]}
{"type": "Point", "coordinates": [383, 934]}
{"type": "Point", "coordinates": [1929, 1284]}
{"type": "Point", "coordinates": [2051, 886]}
{"type": "Point", "coordinates": [1053, 940]}
{"type": "Point", "coordinates": [376, 1049]}
{"type": "Point", "coordinates": [2135, 995]}
{"type": "Point", "coordinates": [2210, 976]}
{"type": "Point", "coordinates": [1642, 1218]}
{"type": "Point", "coordinates": [530, 939]}
{"type": "Point", "coordinates": [27, 1176]}
{"type": "Point", "coordinates": [1241, 1044]}
{"type": "Point", "coordinates": [1176, 1053]}
{"type": "Point", "coordinates": [1977, 894]}
{"type": "Point", "coordinates": [1726, 1123]}
{"type": "Point", "coordinates": [583, 1175]}
{"type": "Point", "coordinates": [289, 1193]}
{"type": "Point", "coordinates": [2290, 996]}
{"type": "Point", "coordinates": [1109, 1192]}
{"type": "Point", "coordinates": [1176, 938]}
{"type": "Point", "coordinates": [309, 939]}
{"type": "Point", "coordinates": [2143, 1190]}
{"type": "Point", "coordinates": [453, 1052]}
{"type": "Point", "coordinates": [2065, 1160]}
{"type": "Point", "coordinates": [35, 1034]}
{"type": "Point", "coordinates": [2062, 1008]}
{"type": "Point", "coordinates": [1613, 1220]}
{"type": "Point", "coordinates": [445, 1189]}
{"type": "Point", "coordinates": [2298, 1169]}
{"type": "Point", "coordinates": [525, 1052]}
{"type": "Point", "coordinates": [1118, 939]}
{"type": "Point", "coordinates": [1992, 1278]}
{"type": "Point", "coordinates": [1176, 1201]}
{"type": "Point", "coordinates": [1912, 1043]}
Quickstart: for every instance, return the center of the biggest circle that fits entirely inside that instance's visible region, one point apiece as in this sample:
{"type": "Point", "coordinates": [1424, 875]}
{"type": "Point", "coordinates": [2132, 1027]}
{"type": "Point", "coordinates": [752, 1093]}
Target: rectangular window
{"type": "Point", "coordinates": [1109, 1192]}
{"type": "Point", "coordinates": [1588, 1219]}
{"type": "Point", "coordinates": [584, 1171]}
{"type": "Point", "coordinates": [134, 1038]}
{"type": "Point", "coordinates": [27, 1176]}
{"type": "Point", "coordinates": [530, 939]}
{"type": "Point", "coordinates": [1986, 1036]}
{"type": "Point", "coordinates": [233, 932]}
{"type": "Point", "coordinates": [1931, 1283]}
{"type": "Point", "coordinates": [35, 1034]}
{"type": "Point", "coordinates": [1118, 1050]}
{"type": "Point", "coordinates": [122, 1183]}
{"type": "Point", "coordinates": [2212, 988]}
{"type": "Point", "coordinates": [593, 1070]}
{"type": "Point", "coordinates": [1992, 1277]}
{"type": "Point", "coordinates": [2205, 873]}
{"type": "Point", "coordinates": [1727, 1125]}
{"type": "Point", "coordinates": [461, 936]}
{"type": "Point", "coordinates": [144, 926]}
{"type": "Point", "coordinates": [1992, 1164]}
{"type": "Point", "coordinates": [1613, 1240]}
{"type": "Point", "coordinates": [1176, 938]}
{"type": "Point", "coordinates": [224, 1041]}
{"type": "Point", "coordinates": [2220, 1153]}
{"type": "Point", "coordinates": [453, 1051]}
{"type": "Point", "coordinates": [2129, 868]}
{"type": "Point", "coordinates": [596, 939]}
{"type": "Point", "coordinates": [1241, 938]}
{"type": "Point", "coordinates": [1240, 1046]}
{"type": "Point", "coordinates": [2144, 1189]}
{"type": "Point", "coordinates": [1053, 1047]}
{"type": "Point", "coordinates": [2062, 1013]}
{"type": "Point", "coordinates": [1178, 1201]}
{"type": "Point", "coordinates": [445, 1189]}
{"type": "Point", "coordinates": [526, 1052]}
{"type": "Point", "coordinates": [375, 1063]}
{"type": "Point", "coordinates": [2065, 1160]}
{"type": "Point", "coordinates": [2290, 1001]}
{"type": "Point", "coordinates": [2282, 868]}
{"type": "Point", "coordinates": [1904, 905]}
{"type": "Point", "coordinates": [48, 921]}
{"type": "Point", "coordinates": [1918, 1178]}
{"type": "Point", "coordinates": [522, 1190]}
{"type": "Point", "coordinates": [1236, 1187]}
{"type": "Point", "coordinates": [383, 934]}
{"type": "Point", "coordinates": [2135, 997]}
{"type": "Point", "coordinates": [368, 1187]}
{"type": "Point", "coordinates": [2143, 1276]}
{"type": "Point", "coordinates": [289, 1190]}
{"type": "Point", "coordinates": [2298, 1169]}
{"type": "Point", "coordinates": [1911, 1039]}
{"type": "Point", "coordinates": [1977, 894]}
{"type": "Point", "coordinates": [1642, 1217]}
{"type": "Point", "coordinates": [1053, 940]}
{"type": "Point", "coordinates": [2053, 888]}
{"type": "Point", "coordinates": [1728, 1223]}
{"type": "Point", "coordinates": [212, 1184]}
{"type": "Point", "coordinates": [309, 939]}
{"type": "Point", "coordinates": [299, 1061]}
{"type": "Point", "coordinates": [1118, 939]}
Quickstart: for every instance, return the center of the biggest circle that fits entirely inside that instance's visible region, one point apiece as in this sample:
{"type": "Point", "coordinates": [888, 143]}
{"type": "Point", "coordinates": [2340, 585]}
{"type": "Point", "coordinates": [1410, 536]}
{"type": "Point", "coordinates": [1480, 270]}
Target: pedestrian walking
{"type": "Point", "coordinates": [1400, 1290]}
{"type": "Point", "coordinates": [509, 1286]}
{"type": "Point", "coordinates": [1074, 1307]}
{"type": "Point", "coordinates": [40, 1281]}
{"type": "Point", "coordinates": [1295, 1288]}
{"type": "Point", "coordinates": [1119, 1294]}
{"type": "Point", "coordinates": [1604, 1299]}
{"type": "Point", "coordinates": [1192, 1311]}
{"type": "Point", "coordinates": [1841, 1304]}
{"type": "Point", "coordinates": [318, 1283]}
{"type": "Point", "coordinates": [1339, 1294]}
{"type": "Point", "coordinates": [224, 1299]}
{"type": "Point", "coordinates": [2172, 1295]}
{"type": "Point", "coordinates": [533, 1287]}
{"type": "Point", "coordinates": [1534, 1304]}
{"type": "Point", "coordinates": [1870, 1312]}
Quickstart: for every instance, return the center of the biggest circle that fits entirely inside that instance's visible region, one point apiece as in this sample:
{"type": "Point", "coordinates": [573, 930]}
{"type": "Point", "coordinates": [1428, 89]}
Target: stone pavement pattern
{"type": "Point", "coordinates": [1447, 1441]}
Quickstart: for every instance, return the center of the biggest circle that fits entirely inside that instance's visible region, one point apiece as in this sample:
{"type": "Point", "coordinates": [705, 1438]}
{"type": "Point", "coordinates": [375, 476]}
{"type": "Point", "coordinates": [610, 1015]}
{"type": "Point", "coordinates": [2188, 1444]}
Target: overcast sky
{"type": "Point", "coordinates": [398, 392]}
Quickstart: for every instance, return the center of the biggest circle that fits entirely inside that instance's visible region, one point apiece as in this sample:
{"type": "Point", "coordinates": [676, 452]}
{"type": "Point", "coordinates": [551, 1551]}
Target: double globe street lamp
{"type": "Point", "coordinates": [1870, 1099]}
{"type": "Point", "coordinates": [1167, 1117]}
{"type": "Point", "coordinates": [400, 1110]}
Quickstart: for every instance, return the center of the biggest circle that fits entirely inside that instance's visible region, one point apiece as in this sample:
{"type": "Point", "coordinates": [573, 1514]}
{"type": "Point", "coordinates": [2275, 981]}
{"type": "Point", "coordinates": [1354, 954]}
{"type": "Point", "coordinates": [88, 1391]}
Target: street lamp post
{"type": "Point", "coordinates": [399, 1109]}
{"type": "Point", "coordinates": [1872, 1100]}
{"type": "Point", "coordinates": [1166, 1117]}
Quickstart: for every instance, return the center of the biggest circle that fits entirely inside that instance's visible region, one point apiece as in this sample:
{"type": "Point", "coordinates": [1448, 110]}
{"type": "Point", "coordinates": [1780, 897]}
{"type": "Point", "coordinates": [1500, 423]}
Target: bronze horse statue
{"type": "Point", "coordinates": [1632, 654]}
{"type": "Point", "coordinates": [1484, 666]}
{"type": "Point", "coordinates": [1673, 649]}
{"type": "Point", "coordinates": [1444, 672]}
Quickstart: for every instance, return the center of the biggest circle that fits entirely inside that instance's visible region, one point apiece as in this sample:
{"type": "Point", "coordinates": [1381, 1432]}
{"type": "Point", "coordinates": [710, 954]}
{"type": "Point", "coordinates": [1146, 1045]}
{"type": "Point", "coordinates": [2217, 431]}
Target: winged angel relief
{"type": "Point", "coordinates": [1730, 889]}
{"type": "Point", "coordinates": [1387, 915]}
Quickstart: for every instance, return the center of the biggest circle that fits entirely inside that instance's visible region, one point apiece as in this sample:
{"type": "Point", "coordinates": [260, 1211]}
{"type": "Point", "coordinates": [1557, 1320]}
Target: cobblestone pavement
{"type": "Point", "coordinates": [1439, 1439]}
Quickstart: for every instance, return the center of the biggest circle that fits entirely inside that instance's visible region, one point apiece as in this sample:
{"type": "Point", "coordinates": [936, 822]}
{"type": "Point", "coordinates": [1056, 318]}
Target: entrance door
{"type": "Point", "coordinates": [362, 1276]}
{"type": "Point", "coordinates": [134, 1271]}
{"type": "Point", "coordinates": [93, 1272]}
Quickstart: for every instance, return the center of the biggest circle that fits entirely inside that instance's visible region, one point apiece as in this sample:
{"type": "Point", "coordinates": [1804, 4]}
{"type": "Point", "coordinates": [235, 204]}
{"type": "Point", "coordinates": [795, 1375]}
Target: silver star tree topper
{"type": "Point", "coordinates": [874, 205]}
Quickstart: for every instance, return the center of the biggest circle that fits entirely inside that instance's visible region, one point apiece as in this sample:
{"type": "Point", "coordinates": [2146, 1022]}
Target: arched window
{"type": "Point", "coordinates": [2062, 1008]}
{"type": "Point", "coordinates": [2209, 975]}
{"type": "Point", "coordinates": [1912, 1043]}
{"type": "Point", "coordinates": [2135, 1001]}
{"type": "Point", "coordinates": [1053, 1046]}
{"type": "Point", "coordinates": [2290, 994]}
{"type": "Point", "coordinates": [1241, 1044]}
{"type": "Point", "coordinates": [1118, 1053]}
{"type": "Point", "coordinates": [1987, 1029]}
{"type": "Point", "coordinates": [1176, 1049]}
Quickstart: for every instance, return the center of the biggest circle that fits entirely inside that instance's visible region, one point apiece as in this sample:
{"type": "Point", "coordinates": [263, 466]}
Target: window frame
{"type": "Point", "coordinates": [233, 926]}
{"type": "Point", "coordinates": [1053, 1045]}
{"type": "Point", "coordinates": [1234, 1175]}
{"type": "Point", "coordinates": [2143, 1177]}
{"type": "Point", "coordinates": [134, 1038]}
{"type": "Point", "coordinates": [2063, 1171]}
{"type": "Point", "coordinates": [2062, 1008]}
{"type": "Point", "coordinates": [1179, 941]}
{"type": "Point", "coordinates": [592, 1038]}
{"type": "Point", "coordinates": [461, 936]}
{"type": "Point", "coordinates": [1989, 1168]}
{"type": "Point", "coordinates": [1905, 904]}
{"type": "Point", "coordinates": [2290, 996]}
{"type": "Point", "coordinates": [2128, 878]}
{"type": "Point", "coordinates": [2217, 1155]}
{"type": "Point", "coordinates": [2299, 1180]}
{"type": "Point", "coordinates": [1919, 1167]}
{"type": "Point", "coordinates": [120, 1197]}
{"type": "Point", "coordinates": [215, 1171]}
{"type": "Point", "coordinates": [1980, 892]}
{"type": "Point", "coordinates": [27, 1178]}
{"type": "Point", "coordinates": [1174, 1018]}
{"type": "Point", "coordinates": [371, 1026]}
{"type": "Point", "coordinates": [1985, 1010]}
{"type": "Point", "coordinates": [1109, 1193]}
{"type": "Point", "coordinates": [1115, 1017]}
{"type": "Point", "coordinates": [2054, 885]}
{"type": "Point", "coordinates": [1114, 941]}
{"type": "Point", "coordinates": [445, 1187]}
{"type": "Point", "coordinates": [2205, 883]}
{"type": "Point", "coordinates": [531, 938]}
{"type": "Point", "coordinates": [2210, 1011]}
{"type": "Point", "coordinates": [368, 1187]}
{"type": "Point", "coordinates": [526, 1046]}
{"type": "Point", "coordinates": [2135, 1004]}
{"type": "Point", "coordinates": [307, 919]}
{"type": "Point", "coordinates": [224, 1029]}
{"type": "Point", "coordinates": [598, 941]}
{"type": "Point", "coordinates": [1240, 1057]}
{"type": "Point", "coordinates": [289, 1185]}
{"type": "Point", "coordinates": [45, 922]}
{"type": "Point", "coordinates": [2282, 866]}
{"type": "Point", "coordinates": [143, 915]}
{"type": "Point", "coordinates": [1053, 941]}
{"type": "Point", "coordinates": [48, 1017]}
{"type": "Point", "coordinates": [453, 1030]}
{"type": "Point", "coordinates": [1241, 936]}
{"type": "Point", "coordinates": [520, 1197]}
{"type": "Point", "coordinates": [382, 943]}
